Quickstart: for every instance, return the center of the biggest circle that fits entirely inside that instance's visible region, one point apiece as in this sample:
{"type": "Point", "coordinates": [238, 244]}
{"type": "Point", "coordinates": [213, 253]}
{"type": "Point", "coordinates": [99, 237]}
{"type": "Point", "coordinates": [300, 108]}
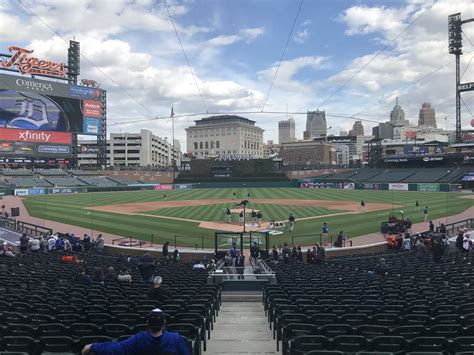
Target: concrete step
{"type": "Point", "coordinates": [237, 296]}
{"type": "Point", "coordinates": [242, 328]}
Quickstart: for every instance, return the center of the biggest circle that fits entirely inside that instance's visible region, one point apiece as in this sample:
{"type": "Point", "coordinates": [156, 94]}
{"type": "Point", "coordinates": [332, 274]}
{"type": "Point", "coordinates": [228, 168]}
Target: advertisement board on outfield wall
{"type": "Point", "coordinates": [183, 187]}
{"type": "Point", "coordinates": [163, 187]}
{"type": "Point", "coordinates": [371, 186]}
{"type": "Point", "coordinates": [348, 185]}
{"type": "Point", "coordinates": [428, 187]}
{"type": "Point", "coordinates": [21, 192]}
{"type": "Point", "coordinates": [321, 185]}
{"type": "Point", "coordinates": [398, 187]}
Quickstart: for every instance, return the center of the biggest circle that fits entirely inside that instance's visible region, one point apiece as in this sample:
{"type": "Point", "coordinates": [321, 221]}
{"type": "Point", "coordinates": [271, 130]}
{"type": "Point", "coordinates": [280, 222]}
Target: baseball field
{"type": "Point", "coordinates": [192, 214]}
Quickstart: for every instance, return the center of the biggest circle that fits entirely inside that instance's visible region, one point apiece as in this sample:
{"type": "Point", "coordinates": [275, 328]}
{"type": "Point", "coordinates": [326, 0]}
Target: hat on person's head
{"type": "Point", "coordinates": [5, 243]}
{"type": "Point", "coordinates": [156, 318]}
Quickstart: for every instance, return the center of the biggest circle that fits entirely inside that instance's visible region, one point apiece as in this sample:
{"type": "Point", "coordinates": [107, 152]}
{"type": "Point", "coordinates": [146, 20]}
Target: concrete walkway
{"type": "Point", "coordinates": [241, 328]}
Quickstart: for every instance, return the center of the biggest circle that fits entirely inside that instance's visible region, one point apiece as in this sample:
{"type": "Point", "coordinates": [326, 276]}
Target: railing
{"type": "Point", "coordinates": [138, 243]}
{"type": "Point", "coordinates": [318, 238]}
{"type": "Point", "coordinates": [25, 227]}
{"type": "Point", "coordinates": [453, 227]}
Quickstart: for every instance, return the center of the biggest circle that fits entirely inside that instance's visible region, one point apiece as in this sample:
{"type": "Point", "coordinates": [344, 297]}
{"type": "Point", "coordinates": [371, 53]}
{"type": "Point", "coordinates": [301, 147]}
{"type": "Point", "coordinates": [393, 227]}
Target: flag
{"type": "Point", "coordinates": [172, 111]}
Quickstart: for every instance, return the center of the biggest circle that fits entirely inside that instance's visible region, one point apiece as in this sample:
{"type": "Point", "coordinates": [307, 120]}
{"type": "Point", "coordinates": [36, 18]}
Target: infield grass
{"type": "Point", "coordinates": [72, 209]}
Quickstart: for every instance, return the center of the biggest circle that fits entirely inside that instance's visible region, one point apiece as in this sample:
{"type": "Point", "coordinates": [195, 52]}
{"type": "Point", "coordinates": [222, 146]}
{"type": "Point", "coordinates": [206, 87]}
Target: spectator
{"type": "Point", "coordinates": [442, 230]}
{"type": "Point", "coordinates": [199, 265]}
{"type": "Point", "coordinates": [275, 255]}
{"type": "Point", "coordinates": [59, 244]}
{"type": "Point", "coordinates": [7, 250]}
{"type": "Point", "coordinates": [340, 238]}
{"type": "Point", "coordinates": [421, 251]}
{"type": "Point", "coordinates": [155, 340]}
{"type": "Point", "coordinates": [165, 250]}
{"type": "Point", "coordinates": [124, 276]}
{"type": "Point", "coordinates": [233, 251]}
{"type": "Point", "coordinates": [321, 254]}
{"type": "Point", "coordinates": [24, 243]}
{"type": "Point", "coordinates": [240, 265]}
{"type": "Point", "coordinates": [98, 275]}
{"type": "Point", "coordinates": [406, 243]}
{"type": "Point", "coordinates": [43, 243]}
{"type": "Point", "coordinates": [84, 278]}
{"type": "Point", "coordinates": [432, 227]}
{"type": "Point", "coordinates": [381, 268]}
{"type": "Point", "coordinates": [100, 243]}
{"type": "Point", "coordinates": [437, 245]}
{"type": "Point", "coordinates": [299, 255]}
{"type": "Point", "coordinates": [51, 243]}
{"type": "Point", "coordinates": [35, 245]}
{"type": "Point", "coordinates": [459, 239]}
{"type": "Point", "coordinates": [254, 254]}
{"type": "Point", "coordinates": [466, 243]}
{"type": "Point", "coordinates": [157, 292]}
{"type": "Point", "coordinates": [146, 267]}
{"type": "Point", "coordinates": [391, 241]}
{"type": "Point", "coordinates": [74, 243]}
{"type": "Point", "coordinates": [286, 253]}
{"type": "Point", "coordinates": [228, 264]}
{"type": "Point", "coordinates": [67, 246]}
{"type": "Point", "coordinates": [293, 254]}
{"type": "Point", "coordinates": [111, 275]}
{"type": "Point", "coordinates": [309, 256]}
{"type": "Point", "coordinates": [176, 258]}
{"type": "Point", "coordinates": [86, 242]}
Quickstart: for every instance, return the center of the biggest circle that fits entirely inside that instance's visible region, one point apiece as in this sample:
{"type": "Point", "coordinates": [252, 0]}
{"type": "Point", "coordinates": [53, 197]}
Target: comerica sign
{"type": "Point", "coordinates": [21, 61]}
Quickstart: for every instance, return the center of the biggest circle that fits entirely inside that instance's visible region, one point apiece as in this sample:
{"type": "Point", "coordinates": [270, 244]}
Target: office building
{"type": "Point", "coordinates": [226, 137]}
{"type": "Point", "coordinates": [286, 131]}
{"type": "Point", "coordinates": [132, 149]}
{"type": "Point", "coordinates": [427, 116]}
{"type": "Point", "coordinates": [316, 125]}
{"type": "Point", "coordinates": [357, 129]}
{"type": "Point", "coordinates": [303, 154]}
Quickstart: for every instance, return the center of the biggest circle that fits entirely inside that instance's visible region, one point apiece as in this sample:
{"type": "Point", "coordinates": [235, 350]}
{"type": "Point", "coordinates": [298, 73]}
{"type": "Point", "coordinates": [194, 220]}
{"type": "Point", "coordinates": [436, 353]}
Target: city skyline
{"type": "Point", "coordinates": [234, 49]}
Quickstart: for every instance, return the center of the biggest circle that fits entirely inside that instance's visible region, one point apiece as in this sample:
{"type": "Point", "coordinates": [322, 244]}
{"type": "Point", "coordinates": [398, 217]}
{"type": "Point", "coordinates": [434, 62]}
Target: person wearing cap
{"type": "Point", "coordinates": [6, 250]}
{"type": "Point", "coordinates": [152, 341]}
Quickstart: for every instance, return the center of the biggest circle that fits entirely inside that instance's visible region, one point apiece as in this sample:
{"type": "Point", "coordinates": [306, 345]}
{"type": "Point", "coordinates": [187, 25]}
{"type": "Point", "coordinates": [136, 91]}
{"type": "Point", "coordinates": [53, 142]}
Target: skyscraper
{"type": "Point", "coordinates": [427, 117]}
{"type": "Point", "coordinates": [397, 116]}
{"type": "Point", "coordinates": [315, 124]}
{"type": "Point", "coordinates": [357, 129]}
{"type": "Point", "coordinates": [286, 131]}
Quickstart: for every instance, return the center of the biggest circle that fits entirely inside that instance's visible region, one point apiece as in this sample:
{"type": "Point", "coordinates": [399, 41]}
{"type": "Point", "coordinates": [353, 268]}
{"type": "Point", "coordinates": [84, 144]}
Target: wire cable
{"type": "Point", "coordinates": [376, 55]}
{"type": "Point", "coordinates": [466, 37]}
{"type": "Point", "coordinates": [118, 85]}
{"type": "Point", "coordinates": [185, 55]}
{"type": "Point", "coordinates": [282, 54]}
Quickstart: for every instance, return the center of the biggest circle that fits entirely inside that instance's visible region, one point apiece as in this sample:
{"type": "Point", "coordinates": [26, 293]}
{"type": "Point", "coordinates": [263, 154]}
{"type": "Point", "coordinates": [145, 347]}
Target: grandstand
{"type": "Point", "coordinates": [65, 181]}
{"type": "Point", "coordinates": [100, 181]}
{"type": "Point", "coordinates": [56, 312]}
{"type": "Point", "coordinates": [23, 181]}
{"type": "Point", "coordinates": [337, 306]}
{"type": "Point", "coordinates": [122, 180]}
{"type": "Point", "coordinates": [391, 175]}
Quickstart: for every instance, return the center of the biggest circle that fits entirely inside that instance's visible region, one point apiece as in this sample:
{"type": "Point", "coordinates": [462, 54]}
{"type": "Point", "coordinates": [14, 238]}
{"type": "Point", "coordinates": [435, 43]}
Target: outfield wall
{"type": "Point", "coordinates": [348, 185]}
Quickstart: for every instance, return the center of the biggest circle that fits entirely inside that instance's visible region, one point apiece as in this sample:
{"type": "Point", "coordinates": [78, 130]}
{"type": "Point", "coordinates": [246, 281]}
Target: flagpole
{"type": "Point", "coordinates": [173, 162]}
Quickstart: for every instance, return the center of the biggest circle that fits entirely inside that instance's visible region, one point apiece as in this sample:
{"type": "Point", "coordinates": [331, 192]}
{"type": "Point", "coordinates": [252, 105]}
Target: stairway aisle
{"type": "Point", "coordinates": [241, 328]}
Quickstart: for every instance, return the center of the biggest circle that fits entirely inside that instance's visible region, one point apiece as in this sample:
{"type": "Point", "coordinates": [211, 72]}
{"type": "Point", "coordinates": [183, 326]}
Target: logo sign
{"type": "Point", "coordinates": [84, 92]}
{"type": "Point", "coordinates": [54, 149]}
{"type": "Point", "coordinates": [21, 192]}
{"type": "Point", "coordinates": [398, 187]}
{"type": "Point", "coordinates": [26, 135]}
{"type": "Point", "coordinates": [428, 187]}
{"type": "Point", "coordinates": [34, 85]}
{"type": "Point", "coordinates": [89, 149]}
{"type": "Point", "coordinates": [410, 134]}
{"type": "Point", "coordinates": [23, 62]}
{"type": "Point", "coordinates": [91, 125]}
{"type": "Point", "coordinates": [163, 187]}
{"type": "Point", "coordinates": [466, 87]}
{"type": "Point", "coordinates": [92, 108]}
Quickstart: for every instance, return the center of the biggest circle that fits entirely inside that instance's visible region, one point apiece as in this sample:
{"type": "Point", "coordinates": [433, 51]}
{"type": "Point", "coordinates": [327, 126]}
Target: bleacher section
{"type": "Point", "coordinates": [47, 307]}
{"type": "Point", "coordinates": [391, 175]}
{"type": "Point", "coordinates": [65, 181]}
{"type": "Point", "coordinates": [51, 172]}
{"type": "Point", "coordinates": [426, 175]}
{"type": "Point", "coordinates": [365, 174]}
{"type": "Point", "coordinates": [79, 172]}
{"type": "Point", "coordinates": [415, 307]}
{"type": "Point", "coordinates": [100, 181]}
{"type": "Point", "coordinates": [28, 182]}
{"type": "Point", "coordinates": [122, 180]}
{"type": "Point", "coordinates": [455, 175]}
{"type": "Point", "coordinates": [16, 172]}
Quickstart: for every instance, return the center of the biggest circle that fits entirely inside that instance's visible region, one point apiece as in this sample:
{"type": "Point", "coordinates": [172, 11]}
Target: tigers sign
{"type": "Point", "coordinates": [21, 61]}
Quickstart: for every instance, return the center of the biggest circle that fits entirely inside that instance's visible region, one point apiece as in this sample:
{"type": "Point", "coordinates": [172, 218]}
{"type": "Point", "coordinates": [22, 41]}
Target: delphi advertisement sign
{"type": "Point", "coordinates": [398, 187]}
{"type": "Point", "coordinates": [24, 142]}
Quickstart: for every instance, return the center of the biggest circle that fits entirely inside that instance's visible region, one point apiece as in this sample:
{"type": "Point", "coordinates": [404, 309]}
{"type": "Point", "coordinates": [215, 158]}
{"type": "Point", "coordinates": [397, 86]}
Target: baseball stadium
{"type": "Point", "coordinates": [125, 243]}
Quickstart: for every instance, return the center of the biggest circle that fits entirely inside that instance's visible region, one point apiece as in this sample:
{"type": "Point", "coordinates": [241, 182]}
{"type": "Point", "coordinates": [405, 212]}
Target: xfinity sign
{"type": "Point", "coordinates": [34, 136]}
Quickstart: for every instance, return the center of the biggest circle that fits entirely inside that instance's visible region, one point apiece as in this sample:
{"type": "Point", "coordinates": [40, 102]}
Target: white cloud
{"type": "Point", "coordinates": [288, 69]}
{"type": "Point", "coordinates": [301, 36]}
{"type": "Point", "coordinates": [246, 34]}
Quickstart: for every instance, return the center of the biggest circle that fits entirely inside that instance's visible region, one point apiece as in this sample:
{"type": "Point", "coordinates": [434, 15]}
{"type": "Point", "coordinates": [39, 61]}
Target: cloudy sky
{"type": "Point", "coordinates": [234, 47]}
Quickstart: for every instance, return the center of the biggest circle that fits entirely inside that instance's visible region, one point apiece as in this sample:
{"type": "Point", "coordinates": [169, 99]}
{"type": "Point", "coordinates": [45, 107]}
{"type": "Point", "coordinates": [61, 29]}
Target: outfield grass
{"type": "Point", "coordinates": [70, 209]}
